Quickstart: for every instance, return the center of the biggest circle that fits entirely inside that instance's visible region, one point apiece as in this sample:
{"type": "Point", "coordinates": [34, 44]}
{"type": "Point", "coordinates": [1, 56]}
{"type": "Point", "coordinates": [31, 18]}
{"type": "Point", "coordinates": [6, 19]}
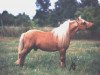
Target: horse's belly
{"type": "Point", "coordinates": [47, 46]}
{"type": "Point", "coordinates": [50, 49]}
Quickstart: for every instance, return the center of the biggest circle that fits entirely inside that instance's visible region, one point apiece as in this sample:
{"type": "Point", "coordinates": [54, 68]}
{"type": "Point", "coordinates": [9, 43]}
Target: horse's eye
{"type": "Point", "coordinates": [84, 23]}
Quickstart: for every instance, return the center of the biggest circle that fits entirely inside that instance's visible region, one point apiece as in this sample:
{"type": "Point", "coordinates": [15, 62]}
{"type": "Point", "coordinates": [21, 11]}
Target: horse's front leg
{"type": "Point", "coordinates": [62, 57]}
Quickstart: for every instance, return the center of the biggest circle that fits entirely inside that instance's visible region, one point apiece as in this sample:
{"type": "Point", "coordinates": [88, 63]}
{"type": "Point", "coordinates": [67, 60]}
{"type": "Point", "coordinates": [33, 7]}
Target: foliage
{"type": "Point", "coordinates": [34, 23]}
{"type": "Point", "coordinates": [22, 19]}
{"type": "Point", "coordinates": [86, 13]}
{"type": "Point", "coordinates": [89, 3]}
{"type": "Point", "coordinates": [42, 11]}
{"type": "Point", "coordinates": [64, 9]}
{"type": "Point", "coordinates": [7, 19]}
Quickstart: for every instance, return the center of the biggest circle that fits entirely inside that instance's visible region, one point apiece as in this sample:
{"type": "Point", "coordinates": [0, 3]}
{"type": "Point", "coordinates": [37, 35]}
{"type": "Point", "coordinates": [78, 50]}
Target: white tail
{"type": "Point", "coordinates": [20, 47]}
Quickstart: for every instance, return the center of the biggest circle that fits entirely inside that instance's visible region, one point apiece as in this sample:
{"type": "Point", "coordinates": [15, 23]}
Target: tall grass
{"type": "Point", "coordinates": [84, 54]}
{"type": "Point", "coordinates": [12, 31]}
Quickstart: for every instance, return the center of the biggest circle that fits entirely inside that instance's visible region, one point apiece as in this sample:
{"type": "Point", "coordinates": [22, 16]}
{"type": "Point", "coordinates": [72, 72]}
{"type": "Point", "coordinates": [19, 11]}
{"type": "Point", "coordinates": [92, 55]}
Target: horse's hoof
{"type": "Point", "coordinates": [17, 62]}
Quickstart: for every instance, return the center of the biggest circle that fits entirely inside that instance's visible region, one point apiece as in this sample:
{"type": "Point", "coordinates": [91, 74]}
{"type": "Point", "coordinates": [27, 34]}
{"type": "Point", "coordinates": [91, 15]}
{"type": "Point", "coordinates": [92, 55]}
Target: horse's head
{"type": "Point", "coordinates": [83, 24]}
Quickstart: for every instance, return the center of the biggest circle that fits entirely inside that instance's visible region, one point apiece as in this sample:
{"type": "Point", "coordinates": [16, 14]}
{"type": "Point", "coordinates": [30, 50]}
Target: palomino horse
{"type": "Point", "coordinates": [56, 40]}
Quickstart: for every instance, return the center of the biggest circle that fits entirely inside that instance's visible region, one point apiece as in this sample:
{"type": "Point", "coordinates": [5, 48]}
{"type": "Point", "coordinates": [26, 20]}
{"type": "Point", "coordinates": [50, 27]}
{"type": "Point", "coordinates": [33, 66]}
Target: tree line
{"type": "Point", "coordinates": [64, 9]}
{"type": "Point", "coordinates": [7, 19]}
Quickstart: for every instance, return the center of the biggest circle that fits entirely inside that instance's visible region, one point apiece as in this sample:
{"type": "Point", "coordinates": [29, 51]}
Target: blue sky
{"type": "Point", "coordinates": [19, 6]}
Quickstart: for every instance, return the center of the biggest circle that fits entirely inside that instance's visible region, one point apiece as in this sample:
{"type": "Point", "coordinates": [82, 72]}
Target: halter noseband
{"type": "Point", "coordinates": [79, 24]}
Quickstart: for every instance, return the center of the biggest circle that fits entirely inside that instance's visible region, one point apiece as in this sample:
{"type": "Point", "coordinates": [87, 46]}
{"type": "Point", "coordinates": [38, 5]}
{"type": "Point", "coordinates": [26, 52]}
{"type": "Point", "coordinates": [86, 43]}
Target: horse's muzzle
{"type": "Point", "coordinates": [90, 24]}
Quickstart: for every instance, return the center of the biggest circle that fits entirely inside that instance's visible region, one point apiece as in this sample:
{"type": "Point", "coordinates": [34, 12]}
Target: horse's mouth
{"type": "Point", "coordinates": [89, 25]}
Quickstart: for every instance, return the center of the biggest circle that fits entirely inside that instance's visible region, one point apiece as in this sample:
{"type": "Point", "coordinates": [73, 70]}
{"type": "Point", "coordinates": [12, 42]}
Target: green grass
{"type": "Point", "coordinates": [85, 54]}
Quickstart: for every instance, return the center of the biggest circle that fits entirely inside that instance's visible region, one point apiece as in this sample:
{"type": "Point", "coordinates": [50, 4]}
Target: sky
{"type": "Point", "coordinates": [20, 6]}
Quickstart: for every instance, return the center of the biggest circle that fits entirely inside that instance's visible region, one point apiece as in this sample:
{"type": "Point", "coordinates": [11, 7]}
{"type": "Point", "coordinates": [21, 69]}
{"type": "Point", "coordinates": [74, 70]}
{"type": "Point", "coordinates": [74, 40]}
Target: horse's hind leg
{"type": "Point", "coordinates": [18, 60]}
{"type": "Point", "coordinates": [22, 56]}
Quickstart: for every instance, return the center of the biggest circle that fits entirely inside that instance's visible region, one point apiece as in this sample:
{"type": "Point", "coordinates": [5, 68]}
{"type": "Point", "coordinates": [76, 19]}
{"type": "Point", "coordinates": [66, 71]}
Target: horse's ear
{"type": "Point", "coordinates": [79, 18]}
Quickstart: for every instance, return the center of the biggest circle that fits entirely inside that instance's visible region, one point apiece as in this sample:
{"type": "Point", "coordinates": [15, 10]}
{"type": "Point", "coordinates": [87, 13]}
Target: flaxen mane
{"type": "Point", "coordinates": [62, 32]}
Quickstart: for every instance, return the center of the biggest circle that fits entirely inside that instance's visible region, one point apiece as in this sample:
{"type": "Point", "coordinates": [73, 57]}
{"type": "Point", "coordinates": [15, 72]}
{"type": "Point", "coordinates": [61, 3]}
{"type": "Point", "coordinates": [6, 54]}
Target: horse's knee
{"type": "Point", "coordinates": [62, 59]}
{"type": "Point", "coordinates": [62, 63]}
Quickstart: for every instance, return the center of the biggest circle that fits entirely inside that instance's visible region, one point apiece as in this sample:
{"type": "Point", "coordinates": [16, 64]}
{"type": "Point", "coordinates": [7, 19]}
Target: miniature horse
{"type": "Point", "coordinates": [56, 40]}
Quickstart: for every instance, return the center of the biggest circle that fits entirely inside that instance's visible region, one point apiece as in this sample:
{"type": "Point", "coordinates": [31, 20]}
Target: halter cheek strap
{"type": "Point", "coordinates": [75, 28]}
{"type": "Point", "coordinates": [79, 24]}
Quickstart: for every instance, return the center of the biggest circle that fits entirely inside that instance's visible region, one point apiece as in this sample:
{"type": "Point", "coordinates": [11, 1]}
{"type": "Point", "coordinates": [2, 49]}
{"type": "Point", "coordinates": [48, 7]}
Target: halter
{"type": "Point", "coordinates": [75, 28]}
{"type": "Point", "coordinates": [79, 24]}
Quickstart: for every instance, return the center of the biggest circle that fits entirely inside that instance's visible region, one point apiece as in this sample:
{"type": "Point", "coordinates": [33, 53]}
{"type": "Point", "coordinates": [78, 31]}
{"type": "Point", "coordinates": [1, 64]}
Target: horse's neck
{"type": "Point", "coordinates": [73, 29]}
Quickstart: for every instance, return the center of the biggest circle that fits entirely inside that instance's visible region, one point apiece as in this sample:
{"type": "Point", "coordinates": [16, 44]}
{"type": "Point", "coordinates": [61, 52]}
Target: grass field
{"type": "Point", "coordinates": [85, 54]}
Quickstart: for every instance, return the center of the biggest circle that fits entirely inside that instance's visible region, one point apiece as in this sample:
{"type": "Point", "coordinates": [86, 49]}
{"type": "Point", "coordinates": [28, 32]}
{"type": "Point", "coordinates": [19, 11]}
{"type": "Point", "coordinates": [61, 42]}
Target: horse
{"type": "Point", "coordinates": [58, 39]}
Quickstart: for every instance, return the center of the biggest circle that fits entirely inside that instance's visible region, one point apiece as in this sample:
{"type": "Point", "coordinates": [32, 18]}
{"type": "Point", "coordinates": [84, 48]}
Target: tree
{"type": "Point", "coordinates": [86, 13]}
{"type": "Point", "coordinates": [7, 19]}
{"type": "Point", "coordinates": [66, 8]}
{"type": "Point", "coordinates": [22, 19]}
{"type": "Point", "coordinates": [0, 20]}
{"type": "Point", "coordinates": [89, 3]}
{"type": "Point", "coordinates": [97, 19]}
{"type": "Point", "coordinates": [42, 11]}
{"type": "Point", "coordinates": [4, 17]}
